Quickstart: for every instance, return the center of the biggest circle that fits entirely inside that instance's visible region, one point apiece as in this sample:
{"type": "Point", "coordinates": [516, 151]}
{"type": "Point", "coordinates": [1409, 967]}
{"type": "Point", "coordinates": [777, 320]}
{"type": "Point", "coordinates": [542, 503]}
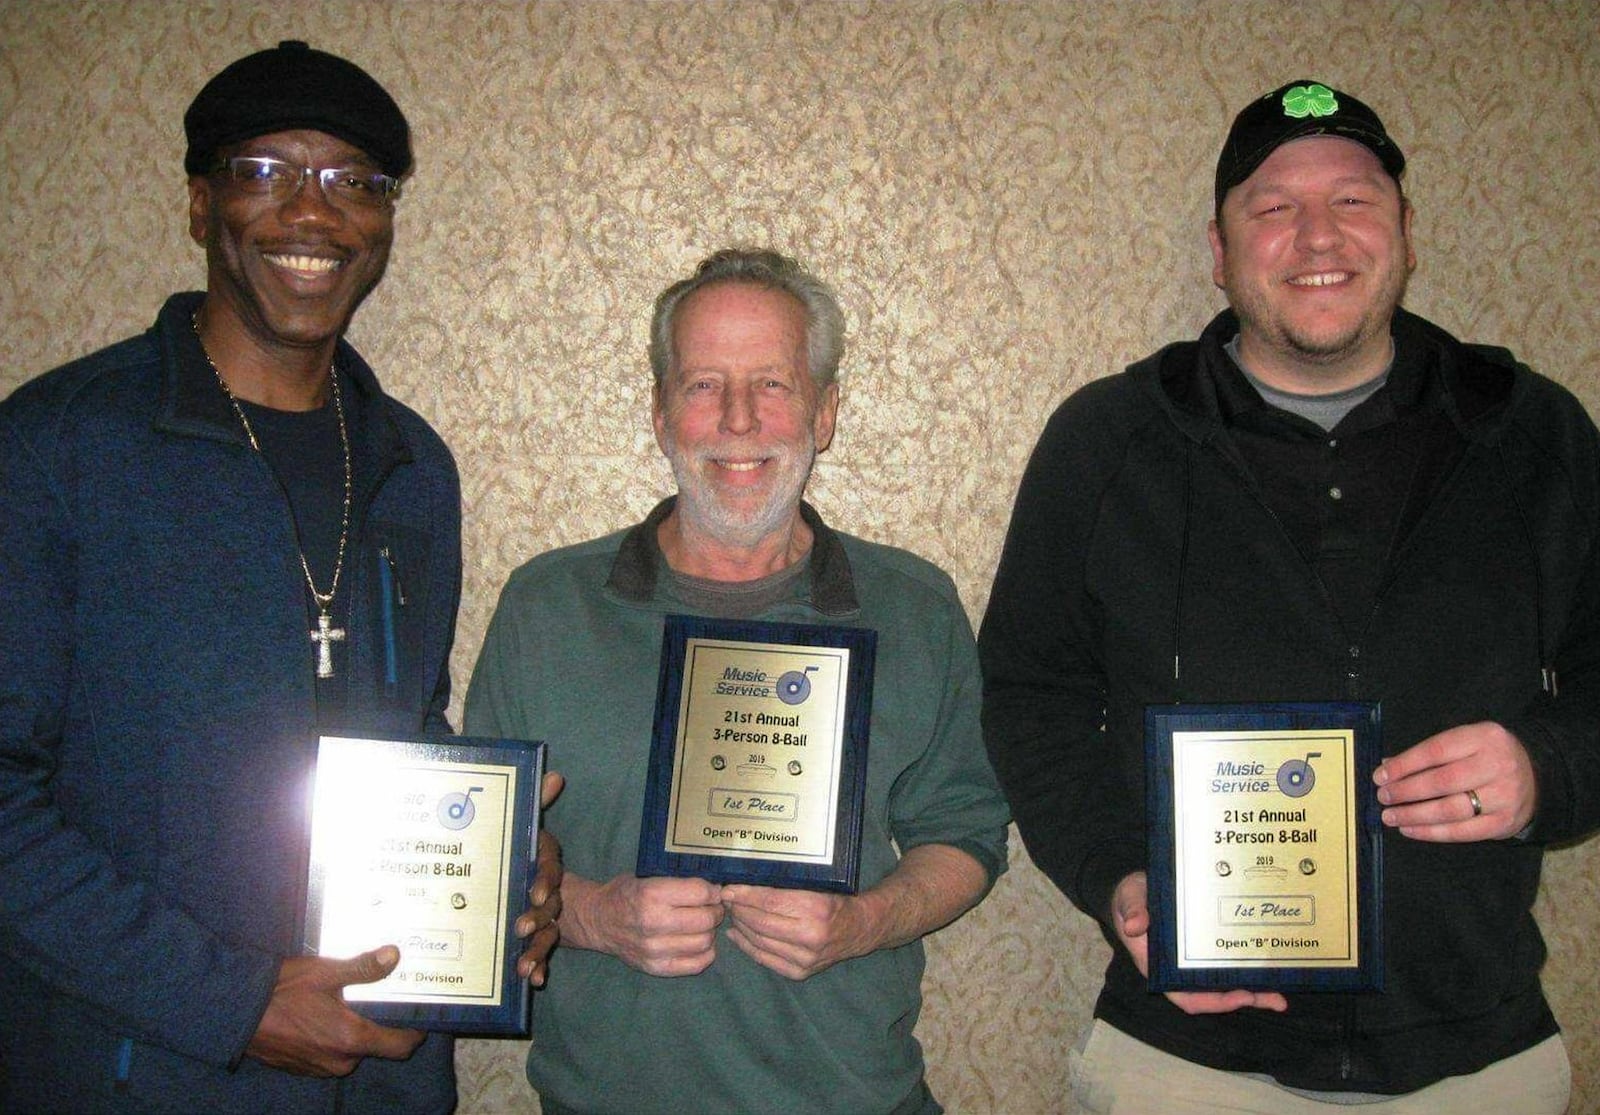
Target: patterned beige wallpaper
{"type": "Point", "coordinates": [1011, 198]}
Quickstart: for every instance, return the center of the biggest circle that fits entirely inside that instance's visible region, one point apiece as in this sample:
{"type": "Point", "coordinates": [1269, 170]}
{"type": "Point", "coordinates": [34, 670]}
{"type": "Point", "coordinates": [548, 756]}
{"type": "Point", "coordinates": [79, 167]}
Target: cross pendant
{"type": "Point", "coordinates": [325, 636]}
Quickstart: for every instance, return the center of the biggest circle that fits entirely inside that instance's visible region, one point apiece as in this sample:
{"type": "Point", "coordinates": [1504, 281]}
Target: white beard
{"type": "Point", "coordinates": [745, 521]}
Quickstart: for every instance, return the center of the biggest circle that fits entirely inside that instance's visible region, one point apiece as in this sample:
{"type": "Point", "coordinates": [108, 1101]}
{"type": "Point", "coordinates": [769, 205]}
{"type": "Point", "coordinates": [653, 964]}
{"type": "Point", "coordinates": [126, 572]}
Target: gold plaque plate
{"type": "Point", "coordinates": [1265, 856]}
{"type": "Point", "coordinates": [760, 730]}
{"type": "Point", "coordinates": [758, 764]}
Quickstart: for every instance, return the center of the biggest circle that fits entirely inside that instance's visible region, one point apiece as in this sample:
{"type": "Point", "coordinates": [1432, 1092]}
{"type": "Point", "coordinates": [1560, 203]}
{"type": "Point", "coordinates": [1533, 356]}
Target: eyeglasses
{"type": "Point", "coordinates": [274, 179]}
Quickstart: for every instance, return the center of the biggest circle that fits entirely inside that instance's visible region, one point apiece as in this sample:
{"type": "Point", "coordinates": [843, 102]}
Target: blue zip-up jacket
{"type": "Point", "coordinates": [1145, 566]}
{"type": "Point", "coordinates": [158, 719]}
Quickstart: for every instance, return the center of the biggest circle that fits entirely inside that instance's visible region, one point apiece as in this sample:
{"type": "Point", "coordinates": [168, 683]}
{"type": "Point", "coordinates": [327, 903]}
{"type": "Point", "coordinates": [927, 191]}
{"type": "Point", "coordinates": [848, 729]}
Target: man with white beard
{"type": "Point", "coordinates": [774, 999]}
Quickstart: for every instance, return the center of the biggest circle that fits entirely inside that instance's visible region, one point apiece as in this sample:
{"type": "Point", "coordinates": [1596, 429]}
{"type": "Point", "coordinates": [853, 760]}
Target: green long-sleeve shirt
{"type": "Point", "coordinates": [571, 658]}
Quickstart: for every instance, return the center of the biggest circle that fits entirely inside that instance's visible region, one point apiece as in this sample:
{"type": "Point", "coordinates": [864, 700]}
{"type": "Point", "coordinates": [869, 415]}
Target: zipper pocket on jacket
{"type": "Point", "coordinates": [124, 1065]}
{"type": "Point", "coordinates": [393, 594]}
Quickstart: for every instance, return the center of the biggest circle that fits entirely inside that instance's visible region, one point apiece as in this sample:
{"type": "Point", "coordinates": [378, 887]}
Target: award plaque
{"type": "Point", "coordinates": [758, 766]}
{"type": "Point", "coordinates": [1265, 847]}
{"type": "Point", "coordinates": [428, 845]}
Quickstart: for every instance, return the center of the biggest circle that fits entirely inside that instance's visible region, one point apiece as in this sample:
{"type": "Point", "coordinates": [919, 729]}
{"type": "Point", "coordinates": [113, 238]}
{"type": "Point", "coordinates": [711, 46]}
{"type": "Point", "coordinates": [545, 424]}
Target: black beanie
{"type": "Point", "coordinates": [292, 86]}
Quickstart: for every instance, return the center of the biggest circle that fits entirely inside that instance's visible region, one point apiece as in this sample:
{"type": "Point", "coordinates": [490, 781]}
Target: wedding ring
{"type": "Point", "coordinates": [1477, 805]}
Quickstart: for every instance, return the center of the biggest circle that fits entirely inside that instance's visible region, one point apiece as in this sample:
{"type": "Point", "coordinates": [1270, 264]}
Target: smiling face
{"type": "Point", "coordinates": [1314, 250]}
{"type": "Point", "coordinates": [739, 416]}
{"type": "Point", "coordinates": [289, 274]}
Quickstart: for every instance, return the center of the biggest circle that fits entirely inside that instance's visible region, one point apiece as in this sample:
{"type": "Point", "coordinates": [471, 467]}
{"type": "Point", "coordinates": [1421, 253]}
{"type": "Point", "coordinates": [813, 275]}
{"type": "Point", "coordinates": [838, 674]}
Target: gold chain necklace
{"type": "Point", "coordinates": [325, 634]}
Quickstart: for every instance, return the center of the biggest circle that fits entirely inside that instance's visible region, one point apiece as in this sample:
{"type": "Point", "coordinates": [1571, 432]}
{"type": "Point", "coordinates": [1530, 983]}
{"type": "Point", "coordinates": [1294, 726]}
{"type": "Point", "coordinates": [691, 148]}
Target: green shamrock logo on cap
{"type": "Point", "coordinates": [1309, 100]}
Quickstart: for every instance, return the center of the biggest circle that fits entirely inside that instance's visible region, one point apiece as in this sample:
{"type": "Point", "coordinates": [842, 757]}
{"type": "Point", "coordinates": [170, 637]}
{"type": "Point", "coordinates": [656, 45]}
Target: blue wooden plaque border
{"type": "Point", "coordinates": [842, 874]}
{"type": "Point", "coordinates": [1365, 719]}
{"type": "Point", "coordinates": [512, 1017]}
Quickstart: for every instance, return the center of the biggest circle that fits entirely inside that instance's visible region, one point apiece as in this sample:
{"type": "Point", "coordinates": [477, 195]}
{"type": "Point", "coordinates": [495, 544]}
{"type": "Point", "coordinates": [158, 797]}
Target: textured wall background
{"type": "Point", "coordinates": [1011, 199]}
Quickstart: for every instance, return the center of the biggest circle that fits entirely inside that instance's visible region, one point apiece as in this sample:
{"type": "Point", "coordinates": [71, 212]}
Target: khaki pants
{"type": "Point", "coordinates": [1113, 1074]}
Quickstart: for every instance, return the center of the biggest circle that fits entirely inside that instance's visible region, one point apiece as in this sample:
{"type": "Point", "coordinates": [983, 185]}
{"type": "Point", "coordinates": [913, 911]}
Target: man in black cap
{"type": "Point", "coordinates": [222, 540]}
{"type": "Point", "coordinates": [1323, 498]}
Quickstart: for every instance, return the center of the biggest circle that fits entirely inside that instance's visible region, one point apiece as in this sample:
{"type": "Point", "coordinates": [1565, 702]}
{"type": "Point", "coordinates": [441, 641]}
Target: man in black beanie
{"type": "Point", "coordinates": [222, 540]}
{"type": "Point", "coordinates": [1322, 498]}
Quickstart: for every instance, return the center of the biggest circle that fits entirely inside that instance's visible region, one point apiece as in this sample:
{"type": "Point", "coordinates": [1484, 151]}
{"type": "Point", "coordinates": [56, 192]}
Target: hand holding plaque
{"type": "Point", "coordinates": [307, 1028]}
{"type": "Point", "coordinates": [537, 927]}
{"type": "Point", "coordinates": [1130, 919]}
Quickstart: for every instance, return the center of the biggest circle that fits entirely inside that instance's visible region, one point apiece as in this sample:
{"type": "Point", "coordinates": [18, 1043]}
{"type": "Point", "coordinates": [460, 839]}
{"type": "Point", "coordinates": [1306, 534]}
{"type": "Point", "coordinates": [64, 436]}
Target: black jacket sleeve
{"type": "Point", "coordinates": [1044, 683]}
{"type": "Point", "coordinates": [1561, 730]}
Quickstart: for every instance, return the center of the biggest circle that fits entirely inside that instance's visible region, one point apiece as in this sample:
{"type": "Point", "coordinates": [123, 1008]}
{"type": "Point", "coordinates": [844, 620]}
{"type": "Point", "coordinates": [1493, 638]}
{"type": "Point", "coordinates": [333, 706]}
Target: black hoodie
{"type": "Point", "coordinates": [1167, 546]}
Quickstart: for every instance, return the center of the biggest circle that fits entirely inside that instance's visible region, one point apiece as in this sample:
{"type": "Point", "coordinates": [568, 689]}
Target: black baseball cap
{"type": "Point", "coordinates": [1300, 108]}
{"type": "Point", "coordinates": [293, 86]}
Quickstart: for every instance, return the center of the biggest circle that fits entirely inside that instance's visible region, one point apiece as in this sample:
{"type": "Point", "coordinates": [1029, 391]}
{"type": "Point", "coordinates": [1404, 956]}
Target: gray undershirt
{"type": "Point", "coordinates": [736, 599]}
{"type": "Point", "coordinates": [1326, 411]}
